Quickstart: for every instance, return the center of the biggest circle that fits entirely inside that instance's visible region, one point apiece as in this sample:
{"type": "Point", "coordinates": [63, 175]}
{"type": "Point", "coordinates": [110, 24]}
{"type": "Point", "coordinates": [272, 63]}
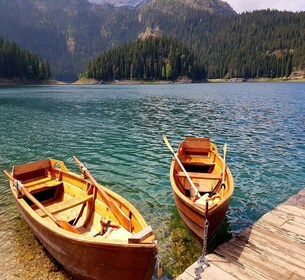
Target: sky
{"type": "Point", "coordinates": [250, 5]}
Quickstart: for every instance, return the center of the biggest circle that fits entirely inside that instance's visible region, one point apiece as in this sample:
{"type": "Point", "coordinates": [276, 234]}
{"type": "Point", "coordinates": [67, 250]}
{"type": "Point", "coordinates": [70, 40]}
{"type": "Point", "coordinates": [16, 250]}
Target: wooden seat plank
{"type": "Point", "coordinates": [31, 166]}
{"type": "Point", "coordinates": [43, 184]}
{"type": "Point", "coordinates": [197, 160]}
{"type": "Point", "coordinates": [64, 205]}
{"type": "Point", "coordinates": [140, 236]}
{"type": "Point", "coordinates": [37, 181]}
{"type": "Point", "coordinates": [198, 175]}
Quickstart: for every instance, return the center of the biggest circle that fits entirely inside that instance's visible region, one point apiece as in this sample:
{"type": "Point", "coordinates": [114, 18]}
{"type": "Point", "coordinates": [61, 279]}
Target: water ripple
{"type": "Point", "coordinates": [117, 132]}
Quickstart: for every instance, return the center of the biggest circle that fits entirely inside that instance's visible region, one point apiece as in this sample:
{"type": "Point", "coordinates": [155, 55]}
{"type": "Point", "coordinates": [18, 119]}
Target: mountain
{"type": "Point", "coordinates": [119, 3]}
{"type": "Point", "coordinates": [21, 64]}
{"type": "Point", "coordinates": [151, 59]}
{"type": "Point", "coordinates": [69, 33]}
{"type": "Point", "coordinates": [212, 6]}
{"type": "Point", "coordinates": [217, 6]}
{"type": "Point", "coordinates": [66, 33]}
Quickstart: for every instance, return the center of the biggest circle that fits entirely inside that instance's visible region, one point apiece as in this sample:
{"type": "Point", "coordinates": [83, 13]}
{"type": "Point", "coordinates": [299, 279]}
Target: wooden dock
{"type": "Point", "coordinates": [272, 248]}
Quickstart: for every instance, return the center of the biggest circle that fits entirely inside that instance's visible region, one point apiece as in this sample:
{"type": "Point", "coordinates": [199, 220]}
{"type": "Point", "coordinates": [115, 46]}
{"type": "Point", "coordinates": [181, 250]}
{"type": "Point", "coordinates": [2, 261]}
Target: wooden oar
{"type": "Point", "coordinates": [20, 187]}
{"type": "Point", "coordinates": [181, 165]}
{"type": "Point", "coordinates": [124, 220]}
{"type": "Point", "coordinates": [223, 184]}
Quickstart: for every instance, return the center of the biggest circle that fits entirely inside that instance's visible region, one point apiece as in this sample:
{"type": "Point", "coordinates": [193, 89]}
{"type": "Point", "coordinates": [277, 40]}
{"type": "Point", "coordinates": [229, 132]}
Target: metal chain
{"type": "Point", "coordinates": [202, 261]}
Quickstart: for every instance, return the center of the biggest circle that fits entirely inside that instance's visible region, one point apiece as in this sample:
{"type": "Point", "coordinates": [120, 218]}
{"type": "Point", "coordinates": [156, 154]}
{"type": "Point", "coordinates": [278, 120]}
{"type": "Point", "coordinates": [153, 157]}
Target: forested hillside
{"type": "Point", "coordinates": [262, 43]}
{"type": "Point", "coordinates": [152, 59]}
{"type": "Point", "coordinates": [68, 33]}
{"type": "Point", "coordinates": [22, 64]}
{"type": "Point", "coordinates": [259, 44]}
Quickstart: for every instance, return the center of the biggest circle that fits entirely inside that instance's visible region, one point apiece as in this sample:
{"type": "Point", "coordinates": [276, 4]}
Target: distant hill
{"type": "Point", "coordinates": [152, 59]}
{"type": "Point", "coordinates": [119, 3]}
{"type": "Point", "coordinates": [68, 33]}
{"type": "Point", "coordinates": [21, 64]}
{"type": "Point", "coordinates": [217, 6]}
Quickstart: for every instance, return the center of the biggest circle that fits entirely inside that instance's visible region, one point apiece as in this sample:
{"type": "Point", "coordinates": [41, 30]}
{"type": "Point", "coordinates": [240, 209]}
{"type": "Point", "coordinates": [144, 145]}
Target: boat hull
{"type": "Point", "coordinates": [85, 260]}
{"type": "Point", "coordinates": [194, 219]}
{"type": "Point", "coordinates": [86, 257]}
{"type": "Point", "coordinates": [199, 155]}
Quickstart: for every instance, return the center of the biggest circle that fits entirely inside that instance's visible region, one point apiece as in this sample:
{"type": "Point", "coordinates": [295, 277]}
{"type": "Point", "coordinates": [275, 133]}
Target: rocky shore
{"type": "Point", "coordinates": [21, 82]}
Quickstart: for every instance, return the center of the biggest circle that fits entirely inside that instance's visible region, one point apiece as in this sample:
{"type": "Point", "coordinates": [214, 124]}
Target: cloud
{"type": "Point", "coordinates": [250, 5]}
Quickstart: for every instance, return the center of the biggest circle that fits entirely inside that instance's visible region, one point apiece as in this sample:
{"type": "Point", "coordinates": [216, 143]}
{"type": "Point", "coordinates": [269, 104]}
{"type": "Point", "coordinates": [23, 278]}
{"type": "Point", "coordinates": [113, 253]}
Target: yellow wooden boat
{"type": "Point", "coordinates": [202, 185]}
{"type": "Point", "coordinates": [90, 230]}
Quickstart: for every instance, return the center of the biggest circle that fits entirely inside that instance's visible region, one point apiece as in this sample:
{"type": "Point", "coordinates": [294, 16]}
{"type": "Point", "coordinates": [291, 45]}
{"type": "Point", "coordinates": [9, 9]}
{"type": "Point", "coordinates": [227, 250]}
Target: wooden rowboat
{"type": "Point", "coordinates": [91, 231]}
{"type": "Point", "coordinates": [202, 185]}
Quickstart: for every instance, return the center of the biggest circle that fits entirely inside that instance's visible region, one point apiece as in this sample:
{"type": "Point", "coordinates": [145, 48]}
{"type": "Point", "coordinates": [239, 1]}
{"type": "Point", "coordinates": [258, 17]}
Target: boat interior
{"type": "Point", "coordinates": [200, 160]}
{"type": "Point", "coordinates": [70, 198]}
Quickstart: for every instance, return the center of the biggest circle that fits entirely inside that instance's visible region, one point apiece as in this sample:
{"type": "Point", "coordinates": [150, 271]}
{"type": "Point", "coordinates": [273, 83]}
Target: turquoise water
{"type": "Point", "coordinates": [116, 130]}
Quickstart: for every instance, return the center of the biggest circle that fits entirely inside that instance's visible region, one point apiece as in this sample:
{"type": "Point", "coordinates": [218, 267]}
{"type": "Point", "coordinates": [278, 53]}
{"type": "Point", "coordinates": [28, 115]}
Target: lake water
{"type": "Point", "coordinates": [116, 130]}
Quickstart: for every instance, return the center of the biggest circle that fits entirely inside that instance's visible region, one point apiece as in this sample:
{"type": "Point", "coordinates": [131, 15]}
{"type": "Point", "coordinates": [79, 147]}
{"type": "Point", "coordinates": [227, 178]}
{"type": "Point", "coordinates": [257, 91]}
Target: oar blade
{"type": "Point", "coordinates": [224, 149]}
{"type": "Point", "coordinates": [181, 165]}
{"type": "Point", "coordinates": [66, 226]}
{"type": "Point", "coordinates": [168, 144]}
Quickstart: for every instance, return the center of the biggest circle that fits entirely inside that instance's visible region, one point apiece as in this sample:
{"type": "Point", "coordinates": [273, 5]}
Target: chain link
{"type": "Point", "coordinates": [202, 262]}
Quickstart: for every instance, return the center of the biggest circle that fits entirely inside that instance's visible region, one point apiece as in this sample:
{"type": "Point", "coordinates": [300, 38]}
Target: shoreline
{"type": "Point", "coordinates": [257, 80]}
{"type": "Point", "coordinates": [19, 82]}
{"type": "Point", "coordinates": [187, 81]}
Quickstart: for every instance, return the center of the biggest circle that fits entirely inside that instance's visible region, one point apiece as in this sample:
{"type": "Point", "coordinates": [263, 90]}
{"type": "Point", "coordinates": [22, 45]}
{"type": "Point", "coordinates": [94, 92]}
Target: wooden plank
{"type": "Point", "coordinates": [296, 277]}
{"type": "Point", "coordinates": [198, 175]}
{"type": "Point", "coordinates": [284, 245]}
{"type": "Point", "coordinates": [37, 181]}
{"type": "Point", "coordinates": [252, 258]}
{"type": "Point", "coordinates": [282, 215]}
{"type": "Point", "coordinates": [185, 276]}
{"type": "Point", "coordinates": [286, 234]}
{"type": "Point", "coordinates": [197, 160]}
{"type": "Point", "coordinates": [273, 248]}
{"type": "Point", "coordinates": [234, 268]}
{"type": "Point", "coordinates": [141, 235]}
{"type": "Point", "coordinates": [292, 216]}
{"type": "Point", "coordinates": [287, 221]}
{"type": "Point", "coordinates": [31, 166]}
{"type": "Point", "coordinates": [212, 272]}
{"type": "Point", "coordinates": [289, 231]}
{"type": "Point", "coordinates": [64, 205]}
{"type": "Point", "coordinates": [42, 186]}
{"type": "Point", "coordinates": [275, 261]}
{"type": "Point", "coordinates": [292, 210]}
{"type": "Point", "coordinates": [202, 145]}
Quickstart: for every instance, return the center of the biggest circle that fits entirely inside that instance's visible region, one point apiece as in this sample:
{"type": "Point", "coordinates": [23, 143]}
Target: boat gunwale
{"type": "Point", "coordinates": [199, 208]}
{"type": "Point", "coordinates": [62, 233]}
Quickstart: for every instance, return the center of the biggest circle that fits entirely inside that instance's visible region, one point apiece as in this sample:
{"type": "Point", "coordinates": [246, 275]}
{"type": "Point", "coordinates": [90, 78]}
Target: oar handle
{"type": "Point", "coordinates": [17, 184]}
{"type": "Point", "coordinates": [220, 185]}
{"type": "Point", "coordinates": [86, 172]}
{"type": "Point", "coordinates": [24, 191]}
{"type": "Point", "coordinates": [8, 175]}
{"type": "Point", "coordinates": [77, 161]}
{"type": "Point", "coordinates": [224, 163]}
{"type": "Point", "coordinates": [181, 165]}
{"type": "Point", "coordinates": [112, 206]}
